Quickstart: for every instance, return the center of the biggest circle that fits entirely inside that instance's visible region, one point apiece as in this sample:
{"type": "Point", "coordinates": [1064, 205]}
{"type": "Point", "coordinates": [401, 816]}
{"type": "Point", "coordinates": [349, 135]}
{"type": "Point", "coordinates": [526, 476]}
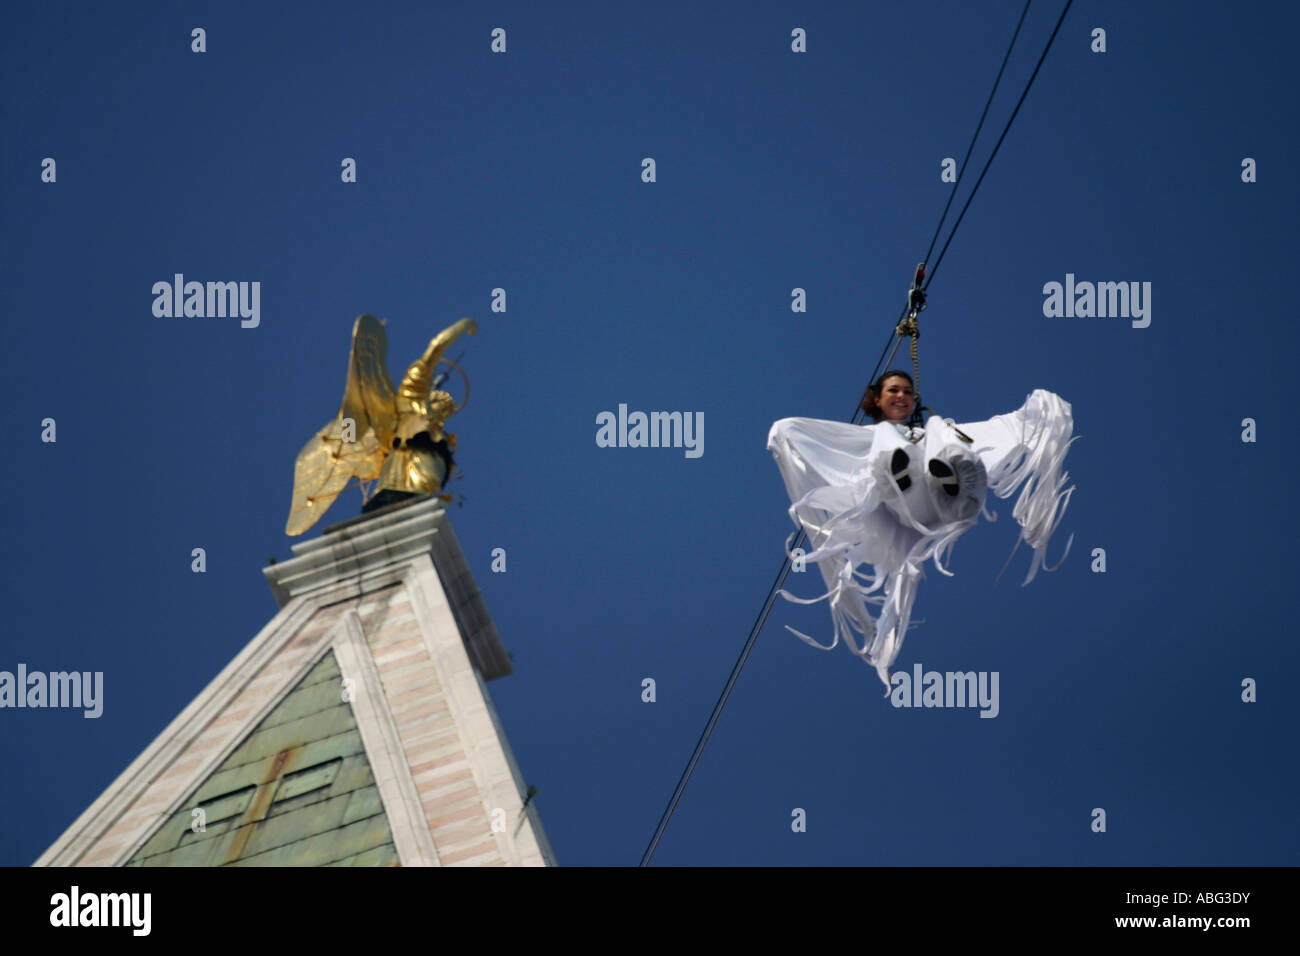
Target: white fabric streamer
{"type": "Point", "coordinates": [862, 503]}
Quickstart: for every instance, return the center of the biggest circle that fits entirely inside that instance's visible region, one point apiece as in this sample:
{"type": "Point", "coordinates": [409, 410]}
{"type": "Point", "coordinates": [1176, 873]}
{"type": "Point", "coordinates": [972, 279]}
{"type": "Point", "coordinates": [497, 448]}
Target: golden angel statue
{"type": "Point", "coordinates": [391, 434]}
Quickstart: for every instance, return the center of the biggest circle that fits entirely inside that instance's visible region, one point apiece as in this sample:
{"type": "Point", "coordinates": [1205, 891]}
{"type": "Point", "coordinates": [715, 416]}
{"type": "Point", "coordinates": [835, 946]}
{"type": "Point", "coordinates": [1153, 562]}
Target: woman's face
{"type": "Point", "coordinates": [896, 398]}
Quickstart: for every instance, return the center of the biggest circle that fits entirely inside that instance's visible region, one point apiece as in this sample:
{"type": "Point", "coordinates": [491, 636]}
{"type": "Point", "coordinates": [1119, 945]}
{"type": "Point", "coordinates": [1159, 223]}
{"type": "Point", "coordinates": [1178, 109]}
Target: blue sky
{"type": "Point", "coordinates": [775, 170]}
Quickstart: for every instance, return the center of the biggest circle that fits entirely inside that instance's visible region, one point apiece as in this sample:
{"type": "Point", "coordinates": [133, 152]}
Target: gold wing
{"type": "Point", "coordinates": [369, 398]}
{"type": "Point", "coordinates": [327, 462]}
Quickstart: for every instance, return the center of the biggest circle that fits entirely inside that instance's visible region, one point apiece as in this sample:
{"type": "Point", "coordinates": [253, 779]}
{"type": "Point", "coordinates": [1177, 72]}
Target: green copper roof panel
{"type": "Point", "coordinates": [297, 791]}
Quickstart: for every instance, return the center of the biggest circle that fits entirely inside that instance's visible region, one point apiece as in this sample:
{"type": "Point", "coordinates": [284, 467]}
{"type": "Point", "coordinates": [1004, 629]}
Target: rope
{"type": "Point", "coordinates": [979, 126]}
{"type": "Point", "coordinates": [769, 602]}
{"type": "Point", "coordinates": [998, 144]}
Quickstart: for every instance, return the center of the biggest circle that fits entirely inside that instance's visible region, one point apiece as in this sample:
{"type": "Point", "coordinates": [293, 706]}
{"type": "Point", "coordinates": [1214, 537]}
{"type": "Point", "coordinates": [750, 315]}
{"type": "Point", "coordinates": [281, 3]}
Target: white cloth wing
{"type": "Point", "coordinates": [873, 496]}
{"type": "Point", "coordinates": [1028, 447]}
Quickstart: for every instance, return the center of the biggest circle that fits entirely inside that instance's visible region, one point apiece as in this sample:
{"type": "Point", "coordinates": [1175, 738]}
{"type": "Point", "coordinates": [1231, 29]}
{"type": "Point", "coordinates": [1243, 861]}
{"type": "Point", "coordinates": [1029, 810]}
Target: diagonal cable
{"type": "Point", "coordinates": [769, 602]}
{"type": "Point", "coordinates": [998, 144]}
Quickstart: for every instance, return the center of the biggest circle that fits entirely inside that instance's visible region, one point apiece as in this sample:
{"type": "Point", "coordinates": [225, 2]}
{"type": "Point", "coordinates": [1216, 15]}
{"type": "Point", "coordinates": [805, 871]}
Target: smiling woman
{"type": "Point", "coordinates": [892, 397]}
{"type": "Point", "coordinates": [893, 496]}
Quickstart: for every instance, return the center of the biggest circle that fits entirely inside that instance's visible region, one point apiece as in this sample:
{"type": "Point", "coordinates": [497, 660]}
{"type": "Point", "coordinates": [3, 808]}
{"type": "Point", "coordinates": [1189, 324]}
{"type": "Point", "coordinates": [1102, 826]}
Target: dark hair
{"type": "Point", "coordinates": [870, 403]}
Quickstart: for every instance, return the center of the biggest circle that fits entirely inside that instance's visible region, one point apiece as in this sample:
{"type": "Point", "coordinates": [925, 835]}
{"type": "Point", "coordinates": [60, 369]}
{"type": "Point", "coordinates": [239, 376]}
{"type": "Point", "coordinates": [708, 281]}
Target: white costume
{"type": "Point", "coordinates": [892, 497]}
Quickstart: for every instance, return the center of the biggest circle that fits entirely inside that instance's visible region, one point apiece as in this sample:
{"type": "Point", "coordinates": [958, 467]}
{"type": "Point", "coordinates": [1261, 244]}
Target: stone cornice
{"type": "Point", "coordinates": [360, 555]}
